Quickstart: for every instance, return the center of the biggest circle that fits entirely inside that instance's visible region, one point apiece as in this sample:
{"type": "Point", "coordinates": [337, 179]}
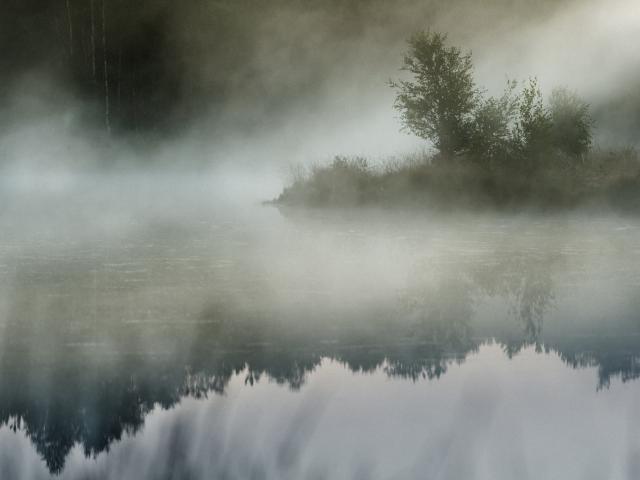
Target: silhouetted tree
{"type": "Point", "coordinates": [438, 103]}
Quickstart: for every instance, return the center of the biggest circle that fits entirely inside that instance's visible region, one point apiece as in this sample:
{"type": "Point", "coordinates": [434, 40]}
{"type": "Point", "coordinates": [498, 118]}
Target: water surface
{"type": "Point", "coordinates": [176, 328]}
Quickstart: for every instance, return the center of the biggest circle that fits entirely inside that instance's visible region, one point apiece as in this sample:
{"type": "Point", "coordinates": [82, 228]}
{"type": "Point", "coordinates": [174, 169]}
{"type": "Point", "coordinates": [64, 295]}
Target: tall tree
{"type": "Point", "coordinates": [437, 104]}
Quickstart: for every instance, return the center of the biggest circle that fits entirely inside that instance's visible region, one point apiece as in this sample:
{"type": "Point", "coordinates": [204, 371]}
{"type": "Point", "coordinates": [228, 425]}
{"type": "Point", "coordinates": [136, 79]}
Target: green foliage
{"type": "Point", "coordinates": [438, 103]}
{"type": "Point", "coordinates": [603, 178]}
{"type": "Point", "coordinates": [533, 127]}
{"type": "Point", "coordinates": [491, 128]}
{"type": "Point", "coordinates": [501, 151]}
{"type": "Point", "coordinates": [571, 131]}
{"type": "Point", "coordinates": [515, 133]}
{"type": "Point", "coordinates": [346, 181]}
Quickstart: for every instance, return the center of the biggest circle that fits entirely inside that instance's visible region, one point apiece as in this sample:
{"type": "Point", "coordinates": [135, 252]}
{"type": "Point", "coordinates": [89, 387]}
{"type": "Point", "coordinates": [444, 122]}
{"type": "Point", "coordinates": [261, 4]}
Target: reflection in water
{"type": "Point", "coordinates": [91, 346]}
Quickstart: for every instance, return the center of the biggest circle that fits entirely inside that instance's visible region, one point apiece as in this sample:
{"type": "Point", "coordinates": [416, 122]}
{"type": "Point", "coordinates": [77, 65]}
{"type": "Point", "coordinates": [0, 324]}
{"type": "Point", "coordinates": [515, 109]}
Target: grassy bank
{"type": "Point", "coordinates": [604, 178]}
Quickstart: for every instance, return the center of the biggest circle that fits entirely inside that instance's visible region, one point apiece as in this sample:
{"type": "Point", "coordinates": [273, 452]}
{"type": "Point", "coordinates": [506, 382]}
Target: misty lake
{"type": "Point", "coordinates": [177, 329]}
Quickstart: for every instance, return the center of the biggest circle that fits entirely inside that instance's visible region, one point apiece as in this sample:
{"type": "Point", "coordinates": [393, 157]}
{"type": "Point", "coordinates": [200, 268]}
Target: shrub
{"type": "Point", "coordinates": [571, 123]}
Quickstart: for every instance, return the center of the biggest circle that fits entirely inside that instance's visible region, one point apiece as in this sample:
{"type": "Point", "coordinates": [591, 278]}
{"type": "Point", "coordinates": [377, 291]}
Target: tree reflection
{"type": "Point", "coordinates": [61, 396]}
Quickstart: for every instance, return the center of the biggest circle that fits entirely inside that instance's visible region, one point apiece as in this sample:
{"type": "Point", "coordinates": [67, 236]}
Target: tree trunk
{"type": "Point", "coordinates": [107, 120]}
{"type": "Point", "coordinates": [70, 22]}
{"type": "Point", "coordinates": [119, 108]}
{"type": "Point", "coordinates": [93, 41]}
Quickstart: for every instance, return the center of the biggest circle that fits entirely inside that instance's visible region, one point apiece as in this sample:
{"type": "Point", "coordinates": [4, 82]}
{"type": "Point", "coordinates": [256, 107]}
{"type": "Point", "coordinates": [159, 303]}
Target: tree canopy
{"type": "Point", "coordinates": [438, 103]}
{"type": "Point", "coordinates": [442, 104]}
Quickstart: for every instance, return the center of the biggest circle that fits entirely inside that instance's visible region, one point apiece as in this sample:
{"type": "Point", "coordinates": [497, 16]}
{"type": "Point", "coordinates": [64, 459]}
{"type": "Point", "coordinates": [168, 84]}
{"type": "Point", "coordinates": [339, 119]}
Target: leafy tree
{"type": "Point", "coordinates": [491, 128]}
{"type": "Point", "coordinates": [571, 123]}
{"type": "Point", "coordinates": [438, 103]}
{"type": "Point", "coordinates": [442, 104]}
{"type": "Point", "coordinates": [532, 131]}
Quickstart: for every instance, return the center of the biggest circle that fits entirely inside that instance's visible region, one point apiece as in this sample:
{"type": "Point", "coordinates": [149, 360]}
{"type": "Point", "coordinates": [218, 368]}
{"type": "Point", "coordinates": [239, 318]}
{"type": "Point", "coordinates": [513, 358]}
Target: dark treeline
{"type": "Point", "coordinates": [93, 46]}
{"type": "Point", "coordinates": [161, 63]}
{"type": "Point", "coordinates": [122, 58]}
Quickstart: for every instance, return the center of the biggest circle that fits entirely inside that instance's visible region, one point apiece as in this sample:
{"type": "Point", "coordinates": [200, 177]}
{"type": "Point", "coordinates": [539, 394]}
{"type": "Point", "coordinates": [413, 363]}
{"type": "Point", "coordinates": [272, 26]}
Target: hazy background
{"type": "Point", "coordinates": [278, 82]}
{"type": "Point", "coordinates": [137, 140]}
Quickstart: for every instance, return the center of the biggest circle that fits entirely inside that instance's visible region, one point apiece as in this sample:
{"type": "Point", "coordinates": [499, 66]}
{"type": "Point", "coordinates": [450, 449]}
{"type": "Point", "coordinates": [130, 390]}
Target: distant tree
{"type": "Point", "coordinates": [571, 123]}
{"type": "Point", "coordinates": [438, 103]}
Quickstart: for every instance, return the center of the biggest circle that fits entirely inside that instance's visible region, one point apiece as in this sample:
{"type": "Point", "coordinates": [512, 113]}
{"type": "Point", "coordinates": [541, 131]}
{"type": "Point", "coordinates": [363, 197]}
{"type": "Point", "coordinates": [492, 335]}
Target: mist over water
{"type": "Point", "coordinates": [176, 318]}
{"type": "Point", "coordinates": [157, 320]}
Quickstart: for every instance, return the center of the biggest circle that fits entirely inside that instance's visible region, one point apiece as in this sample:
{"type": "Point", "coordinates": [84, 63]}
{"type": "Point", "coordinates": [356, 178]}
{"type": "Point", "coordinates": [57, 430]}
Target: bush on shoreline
{"type": "Point", "coordinates": [602, 177]}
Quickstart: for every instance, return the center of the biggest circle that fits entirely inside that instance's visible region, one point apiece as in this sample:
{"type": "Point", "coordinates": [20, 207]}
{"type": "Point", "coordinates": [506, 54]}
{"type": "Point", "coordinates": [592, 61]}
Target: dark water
{"type": "Point", "coordinates": [159, 329]}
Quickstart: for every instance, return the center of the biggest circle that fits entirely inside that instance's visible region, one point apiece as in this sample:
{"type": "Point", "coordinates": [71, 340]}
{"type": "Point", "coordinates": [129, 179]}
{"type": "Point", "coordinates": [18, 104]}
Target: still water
{"type": "Point", "coordinates": [177, 329]}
